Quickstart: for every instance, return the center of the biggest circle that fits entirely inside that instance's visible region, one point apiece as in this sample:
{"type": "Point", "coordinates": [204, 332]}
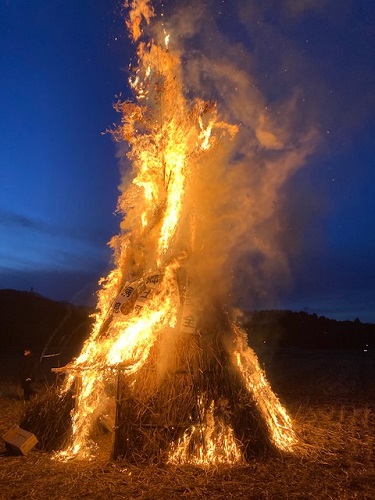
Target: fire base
{"type": "Point", "coordinates": [189, 413]}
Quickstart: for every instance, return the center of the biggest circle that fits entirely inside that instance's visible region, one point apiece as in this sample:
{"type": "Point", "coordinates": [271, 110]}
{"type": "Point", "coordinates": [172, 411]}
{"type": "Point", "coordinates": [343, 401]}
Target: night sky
{"type": "Point", "coordinates": [63, 62]}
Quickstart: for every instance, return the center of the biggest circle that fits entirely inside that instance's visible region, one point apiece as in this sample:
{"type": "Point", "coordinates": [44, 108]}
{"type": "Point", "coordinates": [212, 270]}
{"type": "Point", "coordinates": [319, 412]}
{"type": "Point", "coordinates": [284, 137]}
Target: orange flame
{"type": "Point", "coordinates": [211, 443]}
{"type": "Point", "coordinates": [277, 419]}
{"type": "Point", "coordinates": [139, 9]}
{"type": "Point", "coordinates": [139, 300]}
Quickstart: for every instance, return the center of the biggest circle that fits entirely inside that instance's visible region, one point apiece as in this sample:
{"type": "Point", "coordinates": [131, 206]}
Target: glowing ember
{"type": "Point", "coordinates": [153, 349]}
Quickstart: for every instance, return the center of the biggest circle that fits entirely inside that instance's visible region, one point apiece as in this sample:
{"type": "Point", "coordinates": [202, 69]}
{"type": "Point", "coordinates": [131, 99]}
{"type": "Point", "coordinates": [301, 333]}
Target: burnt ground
{"type": "Point", "coordinates": [329, 394]}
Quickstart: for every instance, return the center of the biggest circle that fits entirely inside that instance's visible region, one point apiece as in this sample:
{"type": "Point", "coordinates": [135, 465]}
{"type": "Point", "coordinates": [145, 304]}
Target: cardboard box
{"type": "Point", "coordinates": [18, 441]}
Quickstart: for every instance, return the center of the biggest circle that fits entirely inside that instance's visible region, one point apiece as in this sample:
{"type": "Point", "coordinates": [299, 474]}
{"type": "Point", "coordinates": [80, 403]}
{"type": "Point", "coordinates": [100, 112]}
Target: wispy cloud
{"type": "Point", "coordinates": [28, 224]}
{"type": "Point", "coordinates": [11, 219]}
{"type": "Point", "coordinates": [29, 243]}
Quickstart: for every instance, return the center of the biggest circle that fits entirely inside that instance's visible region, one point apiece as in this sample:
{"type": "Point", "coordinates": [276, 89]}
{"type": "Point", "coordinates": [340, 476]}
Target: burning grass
{"type": "Point", "coordinates": [338, 462]}
{"type": "Point", "coordinates": [203, 411]}
{"type": "Point", "coordinates": [199, 413]}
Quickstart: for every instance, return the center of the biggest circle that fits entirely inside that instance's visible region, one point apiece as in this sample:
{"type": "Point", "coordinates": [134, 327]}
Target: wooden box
{"type": "Point", "coordinates": [18, 441]}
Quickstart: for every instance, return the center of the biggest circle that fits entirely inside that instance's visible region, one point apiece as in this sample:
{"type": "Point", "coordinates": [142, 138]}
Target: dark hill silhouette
{"type": "Point", "coordinates": [28, 319]}
{"type": "Point", "coordinates": [279, 329]}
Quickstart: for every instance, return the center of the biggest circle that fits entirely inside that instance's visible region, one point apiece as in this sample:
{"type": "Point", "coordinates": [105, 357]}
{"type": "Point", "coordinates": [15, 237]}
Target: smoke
{"type": "Point", "coordinates": [290, 10]}
{"type": "Point", "coordinates": [296, 8]}
{"type": "Point", "coordinates": [235, 194]}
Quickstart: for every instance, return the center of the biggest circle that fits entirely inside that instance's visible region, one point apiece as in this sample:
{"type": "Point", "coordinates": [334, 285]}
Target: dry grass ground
{"type": "Point", "coordinates": [338, 460]}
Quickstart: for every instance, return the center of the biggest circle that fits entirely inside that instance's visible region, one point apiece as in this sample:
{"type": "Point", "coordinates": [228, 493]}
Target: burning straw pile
{"type": "Point", "coordinates": [198, 412]}
{"type": "Point", "coordinates": [47, 416]}
{"type": "Point", "coordinates": [166, 370]}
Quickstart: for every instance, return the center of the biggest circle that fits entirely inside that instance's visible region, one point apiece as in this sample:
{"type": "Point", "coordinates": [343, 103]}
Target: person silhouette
{"type": "Point", "coordinates": [28, 374]}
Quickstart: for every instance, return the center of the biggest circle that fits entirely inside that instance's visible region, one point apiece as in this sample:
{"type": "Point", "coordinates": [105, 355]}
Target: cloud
{"type": "Point", "coordinates": [33, 244]}
{"type": "Point", "coordinates": [14, 219]}
{"type": "Point", "coordinates": [27, 224]}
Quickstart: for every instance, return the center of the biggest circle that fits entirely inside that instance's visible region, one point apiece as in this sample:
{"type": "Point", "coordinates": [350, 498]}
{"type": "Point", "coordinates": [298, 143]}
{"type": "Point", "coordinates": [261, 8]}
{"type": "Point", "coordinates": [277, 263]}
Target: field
{"type": "Point", "coordinates": [329, 394]}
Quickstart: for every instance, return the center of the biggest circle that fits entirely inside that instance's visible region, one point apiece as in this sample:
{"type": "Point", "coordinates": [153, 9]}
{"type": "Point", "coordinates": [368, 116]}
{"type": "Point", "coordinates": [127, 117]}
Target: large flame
{"type": "Point", "coordinates": [169, 139]}
{"type": "Point", "coordinates": [278, 421]}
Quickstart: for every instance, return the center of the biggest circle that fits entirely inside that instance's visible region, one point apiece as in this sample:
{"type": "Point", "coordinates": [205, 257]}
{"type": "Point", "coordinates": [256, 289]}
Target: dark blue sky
{"type": "Point", "coordinates": [62, 64]}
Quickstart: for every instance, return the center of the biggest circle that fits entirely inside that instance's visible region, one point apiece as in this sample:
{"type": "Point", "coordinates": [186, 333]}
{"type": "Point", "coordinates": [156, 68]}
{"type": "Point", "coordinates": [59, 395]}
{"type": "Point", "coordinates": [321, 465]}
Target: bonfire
{"type": "Point", "coordinates": [167, 372]}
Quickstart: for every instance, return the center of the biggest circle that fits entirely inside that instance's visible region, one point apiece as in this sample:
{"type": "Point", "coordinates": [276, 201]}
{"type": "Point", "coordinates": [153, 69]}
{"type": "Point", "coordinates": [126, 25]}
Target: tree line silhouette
{"type": "Point", "coordinates": [281, 329]}
{"type": "Point", "coordinates": [28, 319]}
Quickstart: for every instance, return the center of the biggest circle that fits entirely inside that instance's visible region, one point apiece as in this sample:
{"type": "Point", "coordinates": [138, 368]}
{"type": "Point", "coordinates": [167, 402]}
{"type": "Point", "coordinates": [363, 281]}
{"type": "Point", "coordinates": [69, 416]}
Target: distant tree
{"type": "Point", "coordinates": [274, 329]}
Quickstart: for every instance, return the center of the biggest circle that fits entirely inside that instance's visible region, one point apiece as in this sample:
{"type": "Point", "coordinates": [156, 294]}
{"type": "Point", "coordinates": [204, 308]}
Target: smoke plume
{"type": "Point", "coordinates": [231, 226]}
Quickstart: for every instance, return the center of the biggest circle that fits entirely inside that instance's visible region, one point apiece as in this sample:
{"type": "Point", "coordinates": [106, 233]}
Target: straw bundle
{"type": "Point", "coordinates": [158, 405]}
{"type": "Point", "coordinates": [47, 416]}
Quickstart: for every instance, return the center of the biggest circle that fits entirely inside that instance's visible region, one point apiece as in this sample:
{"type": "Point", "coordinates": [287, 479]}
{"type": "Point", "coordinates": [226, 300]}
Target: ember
{"type": "Point", "coordinates": [166, 369]}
